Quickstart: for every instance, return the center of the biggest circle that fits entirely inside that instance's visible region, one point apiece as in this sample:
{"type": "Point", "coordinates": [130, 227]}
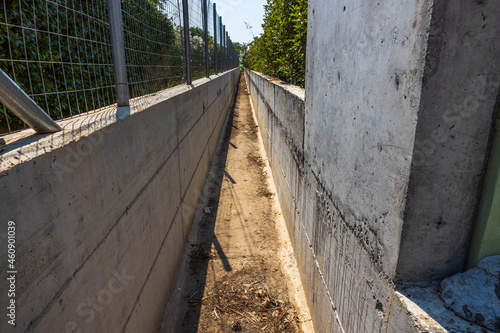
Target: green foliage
{"type": "Point", "coordinates": [281, 50]}
{"type": "Point", "coordinates": [153, 47]}
{"type": "Point", "coordinates": [197, 37]}
{"type": "Point", "coordinates": [59, 52]}
{"type": "Point", "coordinates": [57, 56]}
{"type": "Point", "coordinates": [237, 47]}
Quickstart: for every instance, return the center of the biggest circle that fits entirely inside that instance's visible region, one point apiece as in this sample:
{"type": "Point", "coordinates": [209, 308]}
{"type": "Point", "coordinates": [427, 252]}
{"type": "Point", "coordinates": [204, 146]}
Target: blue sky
{"type": "Point", "coordinates": [236, 12]}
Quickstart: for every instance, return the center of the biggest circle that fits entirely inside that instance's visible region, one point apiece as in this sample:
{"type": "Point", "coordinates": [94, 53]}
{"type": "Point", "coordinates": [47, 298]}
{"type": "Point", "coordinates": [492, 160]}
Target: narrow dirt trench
{"type": "Point", "coordinates": [239, 271]}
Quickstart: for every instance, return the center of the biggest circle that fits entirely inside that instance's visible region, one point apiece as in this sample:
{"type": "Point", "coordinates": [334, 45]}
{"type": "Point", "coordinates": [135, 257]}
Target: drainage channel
{"type": "Point", "coordinates": [239, 272]}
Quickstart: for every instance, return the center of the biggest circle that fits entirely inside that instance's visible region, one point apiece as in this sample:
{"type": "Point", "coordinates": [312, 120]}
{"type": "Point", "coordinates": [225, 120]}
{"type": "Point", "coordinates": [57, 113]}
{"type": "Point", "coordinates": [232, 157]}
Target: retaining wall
{"type": "Point", "coordinates": [379, 163]}
{"type": "Point", "coordinates": [103, 209]}
{"type": "Point", "coordinates": [346, 288]}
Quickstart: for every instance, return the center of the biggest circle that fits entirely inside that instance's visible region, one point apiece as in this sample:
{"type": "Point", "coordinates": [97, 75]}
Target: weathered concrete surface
{"type": "Point", "coordinates": [103, 209]}
{"type": "Point", "coordinates": [475, 294]}
{"type": "Point", "coordinates": [361, 204]}
{"type": "Point", "coordinates": [346, 162]}
{"type": "Point", "coordinates": [338, 273]}
{"type": "Point", "coordinates": [363, 88]}
{"type": "Point", "coordinates": [455, 123]}
{"type": "Point", "coordinates": [423, 303]}
{"type": "Point", "coordinates": [467, 302]}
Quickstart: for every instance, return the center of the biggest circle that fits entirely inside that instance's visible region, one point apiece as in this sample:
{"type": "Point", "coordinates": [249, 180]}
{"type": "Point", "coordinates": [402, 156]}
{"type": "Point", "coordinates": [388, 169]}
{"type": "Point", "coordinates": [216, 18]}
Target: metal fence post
{"type": "Point", "coordinates": [221, 44]}
{"type": "Point", "coordinates": [187, 42]}
{"type": "Point", "coordinates": [229, 64]}
{"type": "Point", "coordinates": [204, 3]}
{"type": "Point", "coordinates": [118, 51]}
{"type": "Point", "coordinates": [215, 40]}
{"type": "Point", "coordinates": [224, 34]}
{"type": "Point", "coordinates": [230, 53]}
{"type": "Point", "coordinates": [227, 50]}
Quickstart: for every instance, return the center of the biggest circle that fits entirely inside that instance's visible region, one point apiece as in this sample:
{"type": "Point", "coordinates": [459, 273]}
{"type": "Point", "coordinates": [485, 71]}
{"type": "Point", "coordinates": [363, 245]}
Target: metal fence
{"type": "Point", "coordinates": [78, 56]}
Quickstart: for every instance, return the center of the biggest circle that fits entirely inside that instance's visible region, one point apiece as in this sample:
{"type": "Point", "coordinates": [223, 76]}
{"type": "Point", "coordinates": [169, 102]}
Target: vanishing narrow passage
{"type": "Point", "coordinates": [240, 275]}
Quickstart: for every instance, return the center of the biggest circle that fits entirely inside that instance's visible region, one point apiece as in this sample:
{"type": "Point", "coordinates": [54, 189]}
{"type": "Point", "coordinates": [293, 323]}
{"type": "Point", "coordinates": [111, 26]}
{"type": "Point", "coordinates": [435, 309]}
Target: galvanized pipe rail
{"type": "Point", "coordinates": [118, 51]}
{"type": "Point", "coordinates": [17, 101]}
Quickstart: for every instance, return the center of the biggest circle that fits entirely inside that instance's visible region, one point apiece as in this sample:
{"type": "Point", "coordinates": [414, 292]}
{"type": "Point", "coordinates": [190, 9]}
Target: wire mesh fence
{"type": "Point", "coordinates": [196, 39]}
{"type": "Point", "coordinates": [211, 38]}
{"type": "Point", "coordinates": [153, 45]}
{"type": "Point", "coordinates": [61, 53]}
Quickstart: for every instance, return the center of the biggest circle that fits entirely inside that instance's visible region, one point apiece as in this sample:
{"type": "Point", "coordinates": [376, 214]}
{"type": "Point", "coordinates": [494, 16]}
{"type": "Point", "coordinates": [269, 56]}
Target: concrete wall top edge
{"type": "Point", "coordinates": [295, 90]}
{"type": "Point", "coordinates": [25, 145]}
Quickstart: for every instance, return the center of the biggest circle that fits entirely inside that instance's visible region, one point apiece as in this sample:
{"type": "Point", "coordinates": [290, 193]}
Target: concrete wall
{"type": "Point", "coordinates": [103, 209]}
{"type": "Point", "coordinates": [345, 287]}
{"type": "Point", "coordinates": [367, 198]}
{"type": "Point", "coordinates": [455, 125]}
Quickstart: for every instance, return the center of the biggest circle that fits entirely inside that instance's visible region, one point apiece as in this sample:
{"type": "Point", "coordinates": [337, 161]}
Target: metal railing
{"type": "Point", "coordinates": [78, 56]}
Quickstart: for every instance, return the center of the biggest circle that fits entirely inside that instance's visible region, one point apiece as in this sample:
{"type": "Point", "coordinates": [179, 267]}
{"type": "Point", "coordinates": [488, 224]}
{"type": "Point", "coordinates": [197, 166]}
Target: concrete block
{"type": "Point", "coordinates": [160, 284]}
{"type": "Point", "coordinates": [360, 132]}
{"type": "Point", "coordinates": [460, 94]}
{"type": "Point", "coordinates": [138, 232]}
{"type": "Point", "coordinates": [97, 199]}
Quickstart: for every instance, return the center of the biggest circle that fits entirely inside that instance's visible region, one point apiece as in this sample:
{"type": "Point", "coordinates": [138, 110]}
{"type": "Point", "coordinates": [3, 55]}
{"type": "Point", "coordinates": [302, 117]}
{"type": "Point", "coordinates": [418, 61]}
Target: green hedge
{"type": "Point", "coordinates": [281, 50]}
{"type": "Point", "coordinates": [62, 56]}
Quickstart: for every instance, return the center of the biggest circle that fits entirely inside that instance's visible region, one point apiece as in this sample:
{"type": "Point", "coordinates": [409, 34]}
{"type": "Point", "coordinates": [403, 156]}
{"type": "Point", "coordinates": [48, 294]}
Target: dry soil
{"type": "Point", "coordinates": [234, 280]}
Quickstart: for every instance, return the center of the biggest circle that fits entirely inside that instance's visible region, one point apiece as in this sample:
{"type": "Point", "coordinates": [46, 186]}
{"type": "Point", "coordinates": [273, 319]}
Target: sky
{"type": "Point", "coordinates": [236, 12]}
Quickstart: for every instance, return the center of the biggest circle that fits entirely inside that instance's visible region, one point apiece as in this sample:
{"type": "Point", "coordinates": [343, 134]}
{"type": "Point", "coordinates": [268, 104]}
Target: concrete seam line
{"type": "Point", "coordinates": [337, 317]}
{"type": "Point", "coordinates": [162, 245]}
{"type": "Point", "coordinates": [203, 153]}
{"type": "Point", "coordinates": [343, 218]}
{"type": "Point", "coordinates": [77, 270]}
{"type": "Point", "coordinates": [65, 285]}
{"type": "Point", "coordinates": [197, 120]}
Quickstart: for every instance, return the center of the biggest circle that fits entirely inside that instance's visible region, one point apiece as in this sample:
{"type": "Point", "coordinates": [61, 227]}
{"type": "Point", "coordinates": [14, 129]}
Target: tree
{"type": "Point", "coordinates": [281, 50]}
{"type": "Point", "coordinates": [237, 47]}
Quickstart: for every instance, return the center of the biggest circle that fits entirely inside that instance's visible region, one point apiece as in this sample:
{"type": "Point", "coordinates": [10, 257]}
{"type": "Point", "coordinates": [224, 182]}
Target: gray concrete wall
{"type": "Point", "coordinates": [103, 209]}
{"type": "Point", "coordinates": [380, 161]}
{"type": "Point", "coordinates": [455, 121]}
{"type": "Point", "coordinates": [345, 287]}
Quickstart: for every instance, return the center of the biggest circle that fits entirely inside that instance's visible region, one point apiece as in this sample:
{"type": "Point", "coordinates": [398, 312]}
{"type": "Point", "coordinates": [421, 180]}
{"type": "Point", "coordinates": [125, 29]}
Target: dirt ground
{"type": "Point", "coordinates": [234, 281]}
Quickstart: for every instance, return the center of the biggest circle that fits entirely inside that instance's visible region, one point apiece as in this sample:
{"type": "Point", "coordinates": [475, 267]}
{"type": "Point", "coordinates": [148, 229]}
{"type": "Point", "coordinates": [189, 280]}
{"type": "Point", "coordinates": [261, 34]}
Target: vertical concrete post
{"type": "Point", "coordinates": [204, 5]}
{"type": "Point", "coordinates": [215, 40]}
{"type": "Point", "coordinates": [187, 42]}
{"type": "Point", "coordinates": [458, 101]}
{"type": "Point", "coordinates": [118, 51]}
